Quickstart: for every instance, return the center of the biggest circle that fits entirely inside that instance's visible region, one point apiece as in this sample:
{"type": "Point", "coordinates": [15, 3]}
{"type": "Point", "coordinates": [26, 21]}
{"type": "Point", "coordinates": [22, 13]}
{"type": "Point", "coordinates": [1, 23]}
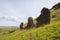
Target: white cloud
{"type": "Point", "coordinates": [10, 18]}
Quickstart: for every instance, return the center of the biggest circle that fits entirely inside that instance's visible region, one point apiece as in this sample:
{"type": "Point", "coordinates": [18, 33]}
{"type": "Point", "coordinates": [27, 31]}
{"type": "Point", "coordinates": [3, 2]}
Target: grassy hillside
{"type": "Point", "coordinates": [55, 15]}
{"type": "Point", "coordinates": [47, 32]}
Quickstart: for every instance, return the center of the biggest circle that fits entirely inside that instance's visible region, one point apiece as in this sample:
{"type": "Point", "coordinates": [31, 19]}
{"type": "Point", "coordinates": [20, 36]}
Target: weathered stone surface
{"type": "Point", "coordinates": [30, 23]}
{"type": "Point", "coordinates": [44, 18]}
{"type": "Point", "coordinates": [21, 25]}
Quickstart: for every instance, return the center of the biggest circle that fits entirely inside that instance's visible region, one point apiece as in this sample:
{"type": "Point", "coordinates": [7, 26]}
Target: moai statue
{"type": "Point", "coordinates": [21, 25]}
{"type": "Point", "coordinates": [44, 18]}
{"type": "Point", "coordinates": [30, 23]}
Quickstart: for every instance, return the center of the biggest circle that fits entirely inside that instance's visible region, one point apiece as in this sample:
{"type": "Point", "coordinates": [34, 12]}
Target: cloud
{"type": "Point", "coordinates": [11, 18]}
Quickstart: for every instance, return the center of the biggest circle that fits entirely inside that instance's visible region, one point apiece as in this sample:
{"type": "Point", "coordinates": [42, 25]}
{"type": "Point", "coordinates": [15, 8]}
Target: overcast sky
{"type": "Point", "coordinates": [13, 12]}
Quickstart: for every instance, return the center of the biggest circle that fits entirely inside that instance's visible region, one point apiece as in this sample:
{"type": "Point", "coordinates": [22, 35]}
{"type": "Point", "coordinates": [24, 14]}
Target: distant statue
{"type": "Point", "coordinates": [44, 18]}
{"type": "Point", "coordinates": [30, 23]}
{"type": "Point", "coordinates": [21, 25]}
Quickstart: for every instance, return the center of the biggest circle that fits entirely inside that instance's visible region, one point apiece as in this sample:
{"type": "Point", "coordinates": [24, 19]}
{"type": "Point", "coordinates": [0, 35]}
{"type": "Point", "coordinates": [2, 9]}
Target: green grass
{"type": "Point", "coordinates": [57, 15]}
{"type": "Point", "coordinates": [47, 32]}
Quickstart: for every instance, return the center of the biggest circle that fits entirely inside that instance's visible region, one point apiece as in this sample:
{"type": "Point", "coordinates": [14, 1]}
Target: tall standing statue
{"type": "Point", "coordinates": [30, 23]}
{"type": "Point", "coordinates": [21, 25]}
{"type": "Point", "coordinates": [44, 18]}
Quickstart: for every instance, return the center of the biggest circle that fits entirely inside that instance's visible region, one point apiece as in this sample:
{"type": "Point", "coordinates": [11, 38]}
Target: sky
{"type": "Point", "coordinates": [13, 12]}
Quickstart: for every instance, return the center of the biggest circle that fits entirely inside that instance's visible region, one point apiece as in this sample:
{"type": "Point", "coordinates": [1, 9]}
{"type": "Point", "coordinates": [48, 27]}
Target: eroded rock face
{"type": "Point", "coordinates": [21, 25]}
{"type": "Point", "coordinates": [44, 18]}
{"type": "Point", "coordinates": [57, 6]}
{"type": "Point", "coordinates": [30, 23]}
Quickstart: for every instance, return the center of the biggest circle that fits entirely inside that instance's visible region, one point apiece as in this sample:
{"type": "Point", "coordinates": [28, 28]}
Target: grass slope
{"type": "Point", "coordinates": [47, 32]}
{"type": "Point", "coordinates": [55, 15]}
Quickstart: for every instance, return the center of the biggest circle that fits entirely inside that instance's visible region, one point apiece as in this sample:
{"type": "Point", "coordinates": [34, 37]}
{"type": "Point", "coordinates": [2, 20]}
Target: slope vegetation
{"type": "Point", "coordinates": [46, 32]}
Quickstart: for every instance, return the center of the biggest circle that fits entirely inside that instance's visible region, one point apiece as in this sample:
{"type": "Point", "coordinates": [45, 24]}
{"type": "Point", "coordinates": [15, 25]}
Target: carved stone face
{"type": "Point", "coordinates": [21, 25]}
{"type": "Point", "coordinates": [30, 22]}
{"type": "Point", "coordinates": [44, 18]}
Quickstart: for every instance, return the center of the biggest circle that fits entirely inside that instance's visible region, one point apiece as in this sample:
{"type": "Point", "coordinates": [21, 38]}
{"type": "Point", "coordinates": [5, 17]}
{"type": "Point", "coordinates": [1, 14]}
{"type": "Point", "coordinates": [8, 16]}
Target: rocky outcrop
{"type": "Point", "coordinates": [56, 6]}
